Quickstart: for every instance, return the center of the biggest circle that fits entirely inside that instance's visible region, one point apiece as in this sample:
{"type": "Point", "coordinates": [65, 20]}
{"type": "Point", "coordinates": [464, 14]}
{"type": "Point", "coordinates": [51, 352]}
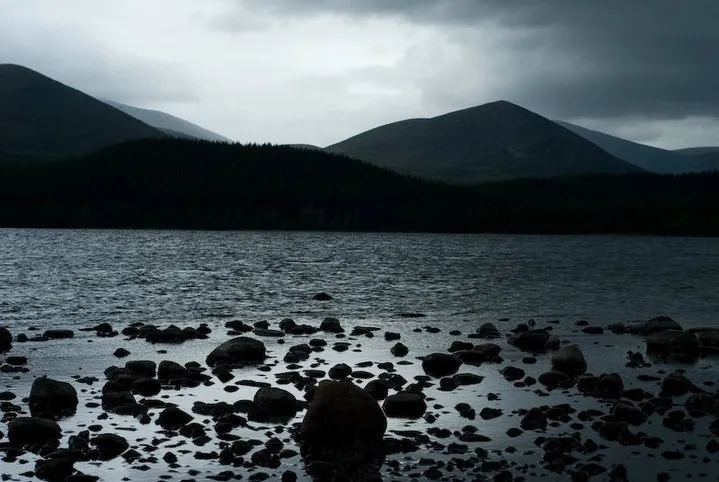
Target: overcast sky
{"type": "Point", "coordinates": [318, 71]}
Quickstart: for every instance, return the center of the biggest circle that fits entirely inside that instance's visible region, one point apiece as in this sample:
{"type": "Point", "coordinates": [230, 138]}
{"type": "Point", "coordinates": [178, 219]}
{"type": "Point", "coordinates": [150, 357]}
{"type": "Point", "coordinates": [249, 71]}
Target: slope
{"type": "Point", "coordinates": [40, 117]}
{"type": "Point", "coordinates": [491, 142]}
{"type": "Point", "coordinates": [168, 123]}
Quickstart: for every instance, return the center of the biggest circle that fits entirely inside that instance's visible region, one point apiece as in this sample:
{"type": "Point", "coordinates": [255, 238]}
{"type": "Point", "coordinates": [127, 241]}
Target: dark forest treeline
{"type": "Point", "coordinates": [200, 185]}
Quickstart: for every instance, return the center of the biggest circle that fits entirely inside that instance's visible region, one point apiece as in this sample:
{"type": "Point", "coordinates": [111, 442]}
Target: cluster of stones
{"type": "Point", "coordinates": [343, 432]}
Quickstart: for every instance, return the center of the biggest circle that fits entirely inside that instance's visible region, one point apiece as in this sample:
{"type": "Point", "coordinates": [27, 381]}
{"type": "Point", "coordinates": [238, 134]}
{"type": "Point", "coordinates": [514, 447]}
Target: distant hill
{"type": "Point", "coordinates": [167, 123]}
{"type": "Point", "coordinates": [492, 142]}
{"type": "Point", "coordinates": [649, 158]}
{"type": "Point", "coordinates": [41, 118]}
{"type": "Point", "coordinates": [693, 151]}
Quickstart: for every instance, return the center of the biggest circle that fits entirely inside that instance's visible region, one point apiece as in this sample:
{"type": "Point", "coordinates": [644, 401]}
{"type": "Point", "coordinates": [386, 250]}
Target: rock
{"type": "Point", "coordinates": [378, 389]}
{"type": "Point", "coordinates": [52, 397]}
{"type": "Point", "coordinates": [405, 405]}
{"type": "Point", "coordinates": [391, 336]}
{"type": "Point", "coordinates": [110, 445]}
{"type": "Point", "coordinates": [241, 350]}
{"type": "Point", "coordinates": [535, 341]}
{"type": "Point", "coordinates": [322, 297]}
{"type": "Point", "coordinates": [268, 333]}
{"type": "Point", "coordinates": [341, 413]}
{"type": "Point", "coordinates": [147, 387]}
{"type": "Point", "coordinates": [341, 370]}
{"type": "Point", "coordinates": [708, 339]}
{"type": "Point", "coordinates": [331, 325]}
{"type": "Point", "coordinates": [555, 379]}
{"type": "Point", "coordinates": [440, 365]}
{"type": "Point", "coordinates": [399, 350]}
{"type": "Point", "coordinates": [16, 360]}
{"type": "Point", "coordinates": [488, 330]}
{"type": "Point", "coordinates": [53, 470]}
{"type": "Point", "coordinates": [287, 324]}
{"type": "Point", "coordinates": [172, 418]}
{"type": "Point", "coordinates": [534, 420]}
{"type": "Point", "coordinates": [276, 402]}
{"type": "Point", "coordinates": [511, 373]}
{"type": "Point", "coordinates": [702, 404]}
{"type": "Point", "coordinates": [660, 323]}
{"type": "Point", "coordinates": [468, 378]}
{"type": "Point", "coordinates": [145, 368]}
{"type": "Point", "coordinates": [610, 386]}
{"type": "Point", "coordinates": [33, 430]}
{"type": "Point", "coordinates": [58, 334]}
{"type": "Point", "coordinates": [626, 412]}
{"type": "Point", "coordinates": [121, 353]}
{"type": "Point", "coordinates": [5, 339]}
{"type": "Point", "coordinates": [459, 345]}
{"type": "Point", "coordinates": [570, 360]}
{"type": "Point", "coordinates": [673, 342]}
{"type": "Point", "coordinates": [675, 385]}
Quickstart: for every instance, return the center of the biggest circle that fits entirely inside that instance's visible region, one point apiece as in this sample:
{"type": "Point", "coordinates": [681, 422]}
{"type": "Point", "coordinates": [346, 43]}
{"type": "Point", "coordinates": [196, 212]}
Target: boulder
{"type": "Point", "coordinates": [109, 445]}
{"type": "Point", "coordinates": [58, 334]}
{"type": "Point", "coordinates": [276, 402]}
{"type": "Point", "coordinates": [378, 389]}
{"type": "Point", "coordinates": [535, 341]}
{"type": "Point", "coordinates": [610, 386]}
{"type": "Point", "coordinates": [459, 346]}
{"type": "Point", "coordinates": [145, 368]}
{"type": "Point", "coordinates": [341, 370]}
{"type": "Point", "coordinates": [660, 323]}
{"type": "Point", "coordinates": [5, 339]}
{"type": "Point", "coordinates": [322, 296]}
{"type": "Point", "coordinates": [52, 397]}
{"type": "Point", "coordinates": [405, 405]}
{"type": "Point", "coordinates": [341, 413]}
{"type": "Point", "coordinates": [55, 469]}
{"type": "Point", "coordinates": [241, 350]}
{"type": "Point", "coordinates": [399, 350]}
{"type": "Point", "coordinates": [33, 430]}
{"type": "Point", "coordinates": [534, 420]}
{"type": "Point", "coordinates": [675, 385]}
{"type": "Point", "coordinates": [570, 360]}
{"type": "Point", "coordinates": [331, 325]}
{"type": "Point", "coordinates": [172, 418]}
{"type": "Point", "coordinates": [440, 365]}
{"type": "Point", "coordinates": [488, 330]}
{"type": "Point", "coordinates": [673, 342]}
{"type": "Point", "coordinates": [147, 387]}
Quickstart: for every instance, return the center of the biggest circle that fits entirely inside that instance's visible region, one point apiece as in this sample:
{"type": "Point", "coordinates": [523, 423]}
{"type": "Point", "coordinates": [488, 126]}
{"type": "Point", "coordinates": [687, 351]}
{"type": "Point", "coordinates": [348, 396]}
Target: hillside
{"type": "Point", "coordinates": [492, 142]}
{"type": "Point", "coordinates": [168, 123]}
{"type": "Point", "coordinates": [184, 184]}
{"type": "Point", "coordinates": [40, 117]}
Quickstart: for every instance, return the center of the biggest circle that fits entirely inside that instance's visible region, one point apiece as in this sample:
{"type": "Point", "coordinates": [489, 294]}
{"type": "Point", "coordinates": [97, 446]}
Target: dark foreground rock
{"type": "Point", "coordinates": [5, 339]}
{"type": "Point", "coordinates": [570, 360]}
{"type": "Point", "coordinates": [110, 445]}
{"type": "Point", "coordinates": [52, 398]}
{"type": "Point", "coordinates": [405, 405]}
{"type": "Point", "coordinates": [440, 365]}
{"type": "Point", "coordinates": [33, 430]}
{"type": "Point", "coordinates": [273, 403]}
{"type": "Point", "coordinates": [241, 350]}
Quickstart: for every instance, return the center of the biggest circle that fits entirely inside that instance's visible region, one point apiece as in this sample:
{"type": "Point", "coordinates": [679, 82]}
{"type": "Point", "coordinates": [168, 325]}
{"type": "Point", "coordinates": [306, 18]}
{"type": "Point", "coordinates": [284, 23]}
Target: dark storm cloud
{"type": "Point", "coordinates": [656, 59]}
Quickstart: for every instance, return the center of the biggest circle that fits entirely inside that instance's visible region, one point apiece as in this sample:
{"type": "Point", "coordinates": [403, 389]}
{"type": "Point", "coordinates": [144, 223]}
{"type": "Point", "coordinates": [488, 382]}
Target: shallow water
{"type": "Point", "coordinates": [81, 278]}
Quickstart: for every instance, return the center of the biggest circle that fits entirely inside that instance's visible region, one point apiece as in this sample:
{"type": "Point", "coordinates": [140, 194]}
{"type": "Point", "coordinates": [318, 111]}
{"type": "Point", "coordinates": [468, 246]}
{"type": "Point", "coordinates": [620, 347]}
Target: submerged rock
{"type": "Point", "coordinates": [240, 350]}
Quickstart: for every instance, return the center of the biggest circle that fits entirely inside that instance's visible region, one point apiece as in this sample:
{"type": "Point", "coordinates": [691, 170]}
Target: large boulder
{"type": "Point", "coordinates": [673, 342]}
{"type": "Point", "coordinates": [33, 430]}
{"type": "Point", "coordinates": [275, 402]}
{"type": "Point", "coordinates": [660, 323]}
{"type": "Point", "coordinates": [405, 405]}
{"type": "Point", "coordinates": [52, 398]}
{"type": "Point", "coordinates": [242, 350]}
{"type": "Point", "coordinates": [440, 365]}
{"type": "Point", "coordinates": [341, 413]}
{"type": "Point", "coordinates": [5, 339]}
{"type": "Point", "coordinates": [570, 360]}
{"type": "Point", "coordinates": [331, 325]}
{"type": "Point", "coordinates": [172, 418]}
{"type": "Point", "coordinates": [488, 330]}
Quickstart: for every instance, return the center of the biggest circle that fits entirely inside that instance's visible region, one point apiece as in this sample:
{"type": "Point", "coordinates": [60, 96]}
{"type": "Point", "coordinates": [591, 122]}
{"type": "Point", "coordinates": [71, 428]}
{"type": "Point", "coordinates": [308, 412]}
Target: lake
{"type": "Point", "coordinates": [74, 279]}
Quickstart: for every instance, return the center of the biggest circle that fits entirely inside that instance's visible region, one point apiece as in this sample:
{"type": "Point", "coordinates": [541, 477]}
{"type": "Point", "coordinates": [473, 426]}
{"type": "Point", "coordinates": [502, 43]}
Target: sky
{"type": "Point", "coordinates": [319, 71]}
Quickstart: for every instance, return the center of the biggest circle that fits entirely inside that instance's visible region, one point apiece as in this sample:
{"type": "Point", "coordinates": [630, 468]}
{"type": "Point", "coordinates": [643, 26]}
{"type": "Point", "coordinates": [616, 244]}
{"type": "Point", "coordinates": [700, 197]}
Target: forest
{"type": "Point", "coordinates": [187, 184]}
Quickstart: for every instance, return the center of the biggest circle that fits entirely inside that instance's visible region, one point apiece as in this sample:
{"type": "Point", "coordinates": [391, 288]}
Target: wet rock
{"type": "Point", "coordinates": [331, 325]}
{"type": "Point", "coordinates": [700, 404]}
{"type": "Point", "coordinates": [459, 345]}
{"type": "Point", "coordinates": [54, 469]}
{"type": "Point", "coordinates": [618, 432]}
{"type": "Point", "coordinates": [378, 389]}
{"type": "Point", "coordinates": [342, 413]}
{"type": "Point", "coordinates": [440, 365]}
{"type": "Point", "coordinates": [468, 378]}
{"type": "Point", "coordinates": [673, 342]}
{"type": "Point", "coordinates": [109, 445]}
{"type": "Point", "coordinates": [238, 326]}
{"type": "Point", "coordinates": [489, 413]}
{"type": "Point", "coordinates": [172, 418]}
{"type": "Point", "coordinates": [268, 333]}
{"type": "Point", "coordinates": [626, 412]}
{"type": "Point", "coordinates": [447, 384]}
{"type": "Point", "coordinates": [593, 330]}
{"type": "Point", "coordinates": [675, 385]}
{"type": "Point", "coordinates": [33, 430]}
{"type": "Point", "coordinates": [287, 324]}
{"type": "Point", "coordinates": [52, 397]}
{"type": "Point", "coordinates": [511, 373]}
{"type": "Point", "coordinates": [535, 341]}
{"type": "Point", "coordinates": [16, 360]}
{"type": "Point", "coordinates": [275, 402]}
{"type": "Point", "coordinates": [322, 296]}
{"type": "Point", "coordinates": [241, 350]}
{"type": "Point", "coordinates": [490, 350]}
{"type": "Point", "coordinates": [391, 336]}
{"type": "Point", "coordinates": [610, 386]}
{"type": "Point", "coordinates": [570, 360]}
{"type": "Point", "coordinates": [5, 339]}
{"type": "Point", "coordinates": [121, 353]}
{"type": "Point", "coordinates": [147, 387]}
{"type": "Point", "coordinates": [488, 330]}
{"type": "Point", "coordinates": [405, 405]}
{"type": "Point", "coordinates": [58, 334]}
{"type": "Point", "coordinates": [145, 368]}
{"type": "Point", "coordinates": [660, 323]}
{"type": "Point", "coordinates": [535, 419]}
{"type": "Point", "coordinates": [399, 350]}
{"type": "Point", "coordinates": [341, 370]}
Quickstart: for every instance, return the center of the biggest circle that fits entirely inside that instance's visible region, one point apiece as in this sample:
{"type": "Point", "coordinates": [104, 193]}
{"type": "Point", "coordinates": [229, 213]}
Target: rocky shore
{"type": "Point", "coordinates": [304, 401]}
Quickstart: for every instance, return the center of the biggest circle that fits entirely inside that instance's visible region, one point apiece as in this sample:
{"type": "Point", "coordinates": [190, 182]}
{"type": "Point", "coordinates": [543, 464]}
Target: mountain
{"type": "Point", "coordinates": [171, 125]}
{"type": "Point", "coordinates": [693, 151]}
{"type": "Point", "coordinates": [491, 142]}
{"type": "Point", "coordinates": [649, 158]}
{"type": "Point", "coordinates": [190, 184]}
{"type": "Point", "coordinates": [41, 118]}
